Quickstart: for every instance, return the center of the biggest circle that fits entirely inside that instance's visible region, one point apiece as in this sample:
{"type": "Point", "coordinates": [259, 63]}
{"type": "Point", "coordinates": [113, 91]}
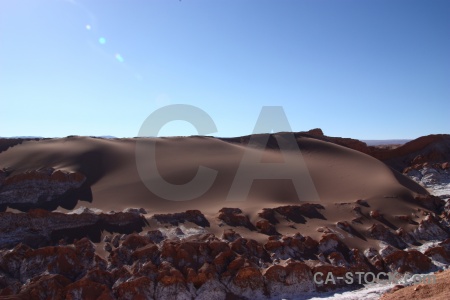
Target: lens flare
{"type": "Point", "coordinates": [88, 27]}
{"type": "Point", "coordinates": [102, 40]}
{"type": "Point", "coordinates": [119, 57]}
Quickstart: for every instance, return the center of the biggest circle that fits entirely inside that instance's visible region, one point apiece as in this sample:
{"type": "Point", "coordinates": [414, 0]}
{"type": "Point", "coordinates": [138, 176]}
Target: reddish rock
{"type": "Point", "coordinates": [235, 217]}
{"type": "Point", "coordinates": [11, 261]}
{"type": "Point", "coordinates": [326, 269]}
{"type": "Point", "coordinates": [296, 213]}
{"type": "Point", "coordinates": [49, 286]}
{"type": "Point", "coordinates": [380, 232]}
{"type": "Point", "coordinates": [120, 274]}
{"type": "Point", "coordinates": [234, 266]}
{"type": "Point", "coordinates": [9, 286]}
{"type": "Point", "coordinates": [194, 216]}
{"type": "Point", "coordinates": [141, 288]}
{"type": "Point", "coordinates": [330, 242]}
{"type": "Point", "coordinates": [134, 241]}
{"type": "Point", "coordinates": [88, 290]}
{"type": "Point", "coordinates": [296, 247]}
{"type": "Point", "coordinates": [100, 276]}
{"type": "Point", "coordinates": [149, 252]}
{"type": "Point", "coordinates": [216, 247]}
{"type": "Point", "coordinates": [155, 236]}
{"type": "Point", "coordinates": [344, 225]}
{"type": "Point", "coordinates": [248, 283]}
{"type": "Point", "coordinates": [205, 273]}
{"type": "Point", "coordinates": [446, 245]}
{"type": "Point", "coordinates": [120, 256]}
{"type": "Point", "coordinates": [439, 254]}
{"type": "Point", "coordinates": [273, 245]}
{"type": "Point", "coordinates": [39, 227]}
{"type": "Point", "coordinates": [38, 187]}
{"type": "Point", "coordinates": [406, 236]}
{"type": "Point", "coordinates": [315, 132]}
{"type": "Point", "coordinates": [230, 235]}
{"type": "Point", "coordinates": [408, 261]}
{"type": "Point", "coordinates": [430, 229]}
{"type": "Point", "coordinates": [170, 283]}
{"type": "Point", "coordinates": [250, 249]}
{"type": "Point", "coordinates": [270, 215]}
{"type": "Point", "coordinates": [223, 259]}
{"type": "Point", "coordinates": [265, 227]}
{"type": "Point", "coordinates": [374, 258]}
{"type": "Point", "coordinates": [122, 222]}
{"type": "Point", "coordinates": [65, 262]}
{"type": "Point", "coordinates": [285, 281]}
{"type": "Point", "coordinates": [358, 262]}
{"type": "Point", "coordinates": [337, 259]}
{"type": "Point", "coordinates": [146, 269]}
{"type": "Point", "coordinates": [375, 214]}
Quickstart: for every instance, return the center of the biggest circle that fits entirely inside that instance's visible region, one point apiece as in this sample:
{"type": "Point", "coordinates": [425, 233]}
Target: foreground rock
{"type": "Point", "coordinates": [202, 266]}
{"type": "Point", "coordinates": [294, 213]}
{"type": "Point", "coordinates": [143, 264]}
{"type": "Point", "coordinates": [37, 187]}
{"type": "Point", "coordinates": [38, 227]}
{"type": "Point", "coordinates": [194, 216]}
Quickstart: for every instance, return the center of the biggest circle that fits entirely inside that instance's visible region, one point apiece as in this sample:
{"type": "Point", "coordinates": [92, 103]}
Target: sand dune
{"type": "Point", "coordinates": [339, 174]}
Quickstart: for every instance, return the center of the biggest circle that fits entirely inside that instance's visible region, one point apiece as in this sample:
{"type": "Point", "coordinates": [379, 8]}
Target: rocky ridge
{"type": "Point", "coordinates": [148, 264]}
{"type": "Point", "coordinates": [37, 188]}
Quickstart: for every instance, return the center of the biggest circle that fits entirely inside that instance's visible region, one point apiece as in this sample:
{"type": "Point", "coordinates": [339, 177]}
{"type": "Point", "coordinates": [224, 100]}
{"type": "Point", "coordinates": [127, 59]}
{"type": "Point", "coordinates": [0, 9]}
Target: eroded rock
{"type": "Point", "coordinates": [37, 187]}
{"type": "Point", "coordinates": [194, 216]}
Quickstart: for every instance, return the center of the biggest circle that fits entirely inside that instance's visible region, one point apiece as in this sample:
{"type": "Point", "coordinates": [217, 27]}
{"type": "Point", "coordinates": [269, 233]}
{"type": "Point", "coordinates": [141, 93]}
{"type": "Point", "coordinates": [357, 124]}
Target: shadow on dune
{"type": "Point", "coordinates": [92, 165]}
{"type": "Point", "coordinates": [409, 183]}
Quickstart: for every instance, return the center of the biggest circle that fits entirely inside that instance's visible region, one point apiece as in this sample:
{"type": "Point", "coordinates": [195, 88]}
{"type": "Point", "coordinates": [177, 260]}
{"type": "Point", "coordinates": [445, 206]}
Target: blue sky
{"type": "Point", "coordinates": [363, 69]}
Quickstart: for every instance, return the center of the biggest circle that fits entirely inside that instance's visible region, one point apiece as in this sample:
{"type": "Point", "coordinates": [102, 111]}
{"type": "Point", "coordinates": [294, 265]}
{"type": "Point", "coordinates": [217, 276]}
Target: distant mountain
{"type": "Point", "coordinates": [385, 142]}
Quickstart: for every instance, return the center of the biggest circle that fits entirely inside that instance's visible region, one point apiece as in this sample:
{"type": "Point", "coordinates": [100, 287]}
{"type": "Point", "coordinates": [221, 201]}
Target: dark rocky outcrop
{"type": "Point", "coordinates": [381, 233]}
{"type": "Point", "coordinates": [39, 227]}
{"type": "Point", "coordinates": [430, 229]}
{"type": "Point", "coordinates": [37, 188]}
{"type": "Point", "coordinates": [235, 217]}
{"type": "Point", "coordinates": [194, 216]}
{"type": "Point", "coordinates": [294, 213]}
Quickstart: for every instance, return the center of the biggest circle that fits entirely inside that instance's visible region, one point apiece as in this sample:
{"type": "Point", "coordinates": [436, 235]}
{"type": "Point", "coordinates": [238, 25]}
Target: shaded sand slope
{"type": "Point", "coordinates": [339, 174]}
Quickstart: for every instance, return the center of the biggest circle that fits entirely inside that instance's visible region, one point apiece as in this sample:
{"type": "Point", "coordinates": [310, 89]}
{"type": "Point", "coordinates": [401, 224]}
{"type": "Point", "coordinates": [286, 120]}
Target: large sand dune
{"type": "Point", "coordinates": [339, 174]}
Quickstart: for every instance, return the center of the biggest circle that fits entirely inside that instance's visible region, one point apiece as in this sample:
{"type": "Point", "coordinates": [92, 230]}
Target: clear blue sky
{"type": "Point", "coordinates": [365, 69]}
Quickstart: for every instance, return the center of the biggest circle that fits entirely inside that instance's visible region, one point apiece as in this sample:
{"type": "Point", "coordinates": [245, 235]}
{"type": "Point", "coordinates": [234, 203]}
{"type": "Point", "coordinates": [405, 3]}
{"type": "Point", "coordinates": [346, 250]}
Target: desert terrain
{"type": "Point", "coordinates": [80, 220]}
